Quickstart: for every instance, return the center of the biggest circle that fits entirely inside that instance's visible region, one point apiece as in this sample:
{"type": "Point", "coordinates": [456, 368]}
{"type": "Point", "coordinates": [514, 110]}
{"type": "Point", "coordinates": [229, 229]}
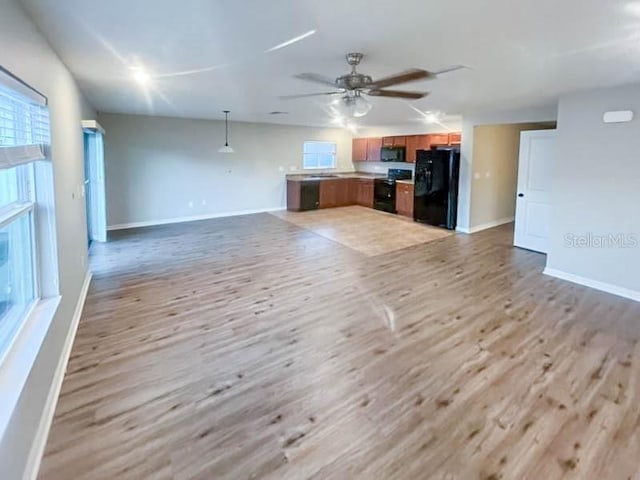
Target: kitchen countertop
{"type": "Point", "coordinates": [309, 177]}
{"type": "Point", "coordinates": [406, 182]}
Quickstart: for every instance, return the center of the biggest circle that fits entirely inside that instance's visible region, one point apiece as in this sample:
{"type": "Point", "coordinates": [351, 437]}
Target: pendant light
{"type": "Point", "coordinates": [226, 148]}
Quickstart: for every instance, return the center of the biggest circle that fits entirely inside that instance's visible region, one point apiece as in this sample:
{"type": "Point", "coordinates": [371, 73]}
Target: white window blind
{"type": "Point", "coordinates": [24, 126]}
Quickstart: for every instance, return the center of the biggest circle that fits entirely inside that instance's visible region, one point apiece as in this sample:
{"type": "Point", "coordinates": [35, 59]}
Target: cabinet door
{"type": "Point", "coordinates": [359, 150]}
{"type": "Point", "coordinates": [412, 146]}
{"type": "Point", "coordinates": [439, 139]}
{"type": "Point", "coordinates": [293, 195]}
{"type": "Point", "coordinates": [387, 141]}
{"type": "Point", "coordinates": [399, 141]}
{"type": "Point", "coordinates": [329, 193]}
{"type": "Point", "coordinates": [455, 138]}
{"type": "Point", "coordinates": [373, 149]}
{"type": "Point", "coordinates": [423, 142]}
{"type": "Point", "coordinates": [345, 192]}
{"type": "Point", "coordinates": [404, 200]}
{"type": "Point", "coordinates": [365, 193]}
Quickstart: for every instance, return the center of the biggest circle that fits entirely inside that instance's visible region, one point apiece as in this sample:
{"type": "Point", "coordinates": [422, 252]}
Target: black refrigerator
{"type": "Point", "coordinates": [436, 187]}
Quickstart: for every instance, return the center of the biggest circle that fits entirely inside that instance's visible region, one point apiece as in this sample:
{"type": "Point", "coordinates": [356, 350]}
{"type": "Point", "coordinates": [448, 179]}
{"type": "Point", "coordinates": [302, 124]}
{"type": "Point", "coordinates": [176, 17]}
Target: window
{"type": "Point", "coordinates": [24, 132]}
{"type": "Point", "coordinates": [319, 155]}
{"type": "Point", "coordinates": [17, 276]}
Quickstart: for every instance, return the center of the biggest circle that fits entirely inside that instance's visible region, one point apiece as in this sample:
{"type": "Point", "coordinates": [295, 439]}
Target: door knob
{"type": "Point", "coordinates": [521, 195]}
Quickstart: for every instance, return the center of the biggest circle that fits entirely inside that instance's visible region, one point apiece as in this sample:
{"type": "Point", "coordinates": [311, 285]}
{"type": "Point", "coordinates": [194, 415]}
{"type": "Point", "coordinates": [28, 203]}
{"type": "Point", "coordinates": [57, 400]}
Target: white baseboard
{"type": "Point", "coordinates": [486, 226]}
{"type": "Point", "coordinates": [46, 419]}
{"type": "Point", "coordinates": [194, 218]}
{"type": "Point", "coordinates": [587, 282]}
{"type": "Point", "coordinates": [463, 230]}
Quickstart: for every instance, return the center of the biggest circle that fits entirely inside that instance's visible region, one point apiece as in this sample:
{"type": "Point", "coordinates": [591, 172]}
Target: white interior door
{"type": "Point", "coordinates": [95, 190]}
{"type": "Point", "coordinates": [533, 205]}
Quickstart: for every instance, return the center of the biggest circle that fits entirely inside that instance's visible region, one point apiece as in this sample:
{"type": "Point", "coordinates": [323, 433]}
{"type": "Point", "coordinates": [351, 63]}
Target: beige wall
{"type": "Point", "coordinates": [26, 53]}
{"type": "Point", "coordinates": [495, 171]}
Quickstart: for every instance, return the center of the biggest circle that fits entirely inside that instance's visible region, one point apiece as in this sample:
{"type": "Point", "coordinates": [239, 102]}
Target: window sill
{"type": "Point", "coordinates": [21, 355]}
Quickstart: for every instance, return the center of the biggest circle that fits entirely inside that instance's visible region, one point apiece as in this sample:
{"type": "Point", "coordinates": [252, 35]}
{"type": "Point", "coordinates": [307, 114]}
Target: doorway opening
{"type": "Point", "coordinates": [94, 182]}
{"type": "Point", "coordinates": [502, 188]}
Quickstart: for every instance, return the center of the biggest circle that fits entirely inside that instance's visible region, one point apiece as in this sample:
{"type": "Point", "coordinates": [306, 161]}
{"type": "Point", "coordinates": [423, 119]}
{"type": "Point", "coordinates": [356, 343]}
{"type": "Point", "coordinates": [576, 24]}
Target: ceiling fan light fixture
{"type": "Point", "coordinates": [226, 148]}
{"type": "Point", "coordinates": [360, 106]}
{"type": "Point", "coordinates": [352, 105]}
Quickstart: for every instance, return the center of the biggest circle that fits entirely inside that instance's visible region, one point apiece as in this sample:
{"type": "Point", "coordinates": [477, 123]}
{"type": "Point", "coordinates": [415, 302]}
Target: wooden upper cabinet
{"type": "Point", "coordinates": [423, 142]}
{"type": "Point", "coordinates": [359, 150]}
{"type": "Point", "coordinates": [368, 149]}
{"type": "Point", "coordinates": [439, 139]}
{"type": "Point", "coordinates": [412, 146]}
{"type": "Point", "coordinates": [373, 149]}
{"type": "Point", "coordinates": [394, 141]}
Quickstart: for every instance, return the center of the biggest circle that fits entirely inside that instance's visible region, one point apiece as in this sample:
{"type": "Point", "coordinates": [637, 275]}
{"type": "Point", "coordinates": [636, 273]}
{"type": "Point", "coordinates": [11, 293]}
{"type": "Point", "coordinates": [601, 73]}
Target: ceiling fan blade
{"type": "Point", "coordinates": [407, 76]}
{"type": "Point", "coordinates": [452, 68]}
{"type": "Point", "coordinates": [316, 78]}
{"type": "Point", "coordinates": [397, 94]}
{"type": "Point", "coordinates": [291, 97]}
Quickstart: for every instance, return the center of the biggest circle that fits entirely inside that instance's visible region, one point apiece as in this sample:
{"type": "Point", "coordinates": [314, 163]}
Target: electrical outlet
{"type": "Point", "coordinates": [191, 204]}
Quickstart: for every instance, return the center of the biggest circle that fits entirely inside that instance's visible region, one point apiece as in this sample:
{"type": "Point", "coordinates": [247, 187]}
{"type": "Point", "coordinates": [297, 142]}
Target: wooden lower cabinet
{"type": "Point", "coordinates": [404, 199]}
{"type": "Point", "coordinates": [329, 193]}
{"type": "Point", "coordinates": [337, 193]}
{"type": "Point", "coordinates": [364, 191]}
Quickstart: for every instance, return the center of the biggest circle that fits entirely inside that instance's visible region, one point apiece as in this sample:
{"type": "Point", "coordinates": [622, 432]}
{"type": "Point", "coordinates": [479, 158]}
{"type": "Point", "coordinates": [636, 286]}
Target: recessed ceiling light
{"type": "Point", "coordinates": [141, 76]}
{"type": "Point", "coordinates": [431, 117]}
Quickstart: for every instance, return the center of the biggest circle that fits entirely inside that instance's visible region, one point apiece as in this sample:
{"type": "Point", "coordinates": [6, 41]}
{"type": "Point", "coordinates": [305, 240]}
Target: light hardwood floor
{"type": "Point", "coordinates": [366, 230]}
{"type": "Point", "coordinates": [248, 347]}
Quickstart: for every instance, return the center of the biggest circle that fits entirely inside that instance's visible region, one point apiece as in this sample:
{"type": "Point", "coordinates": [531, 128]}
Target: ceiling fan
{"type": "Point", "coordinates": [353, 85]}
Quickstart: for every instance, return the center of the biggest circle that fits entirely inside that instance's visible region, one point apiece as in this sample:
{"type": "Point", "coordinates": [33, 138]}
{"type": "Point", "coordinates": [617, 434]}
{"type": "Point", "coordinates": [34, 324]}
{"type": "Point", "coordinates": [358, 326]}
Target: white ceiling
{"type": "Point", "coordinates": [520, 53]}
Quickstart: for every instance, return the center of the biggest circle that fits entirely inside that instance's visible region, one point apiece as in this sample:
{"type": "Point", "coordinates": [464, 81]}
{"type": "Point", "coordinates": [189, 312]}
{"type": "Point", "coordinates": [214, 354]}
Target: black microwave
{"type": "Point", "coordinates": [393, 154]}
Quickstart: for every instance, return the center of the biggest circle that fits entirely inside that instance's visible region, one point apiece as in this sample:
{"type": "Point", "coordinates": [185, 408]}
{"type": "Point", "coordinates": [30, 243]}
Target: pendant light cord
{"type": "Point", "coordinates": [226, 128]}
